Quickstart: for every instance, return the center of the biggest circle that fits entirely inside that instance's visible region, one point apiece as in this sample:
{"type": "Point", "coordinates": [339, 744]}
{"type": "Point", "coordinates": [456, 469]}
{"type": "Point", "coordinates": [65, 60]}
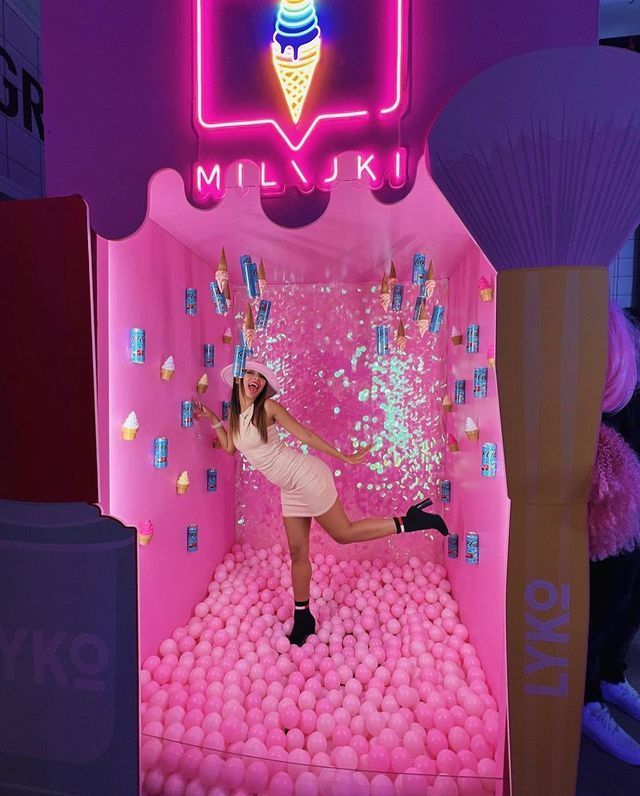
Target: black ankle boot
{"type": "Point", "coordinates": [418, 520]}
{"type": "Point", "coordinates": [304, 625]}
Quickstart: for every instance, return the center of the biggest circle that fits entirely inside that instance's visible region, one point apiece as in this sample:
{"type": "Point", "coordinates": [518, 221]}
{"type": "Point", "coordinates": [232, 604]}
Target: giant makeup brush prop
{"type": "Point", "coordinates": [540, 157]}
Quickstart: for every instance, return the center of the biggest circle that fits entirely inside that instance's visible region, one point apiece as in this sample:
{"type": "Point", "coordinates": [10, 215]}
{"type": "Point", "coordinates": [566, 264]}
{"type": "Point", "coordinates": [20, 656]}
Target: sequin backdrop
{"type": "Point", "coordinates": [321, 341]}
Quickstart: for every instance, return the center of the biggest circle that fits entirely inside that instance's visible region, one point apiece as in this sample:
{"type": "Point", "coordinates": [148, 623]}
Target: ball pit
{"type": "Point", "coordinates": [387, 699]}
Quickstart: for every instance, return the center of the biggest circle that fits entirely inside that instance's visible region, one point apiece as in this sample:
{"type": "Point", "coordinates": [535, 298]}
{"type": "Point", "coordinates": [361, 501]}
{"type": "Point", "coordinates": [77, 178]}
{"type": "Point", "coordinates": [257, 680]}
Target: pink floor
{"type": "Point", "coordinates": [388, 698]}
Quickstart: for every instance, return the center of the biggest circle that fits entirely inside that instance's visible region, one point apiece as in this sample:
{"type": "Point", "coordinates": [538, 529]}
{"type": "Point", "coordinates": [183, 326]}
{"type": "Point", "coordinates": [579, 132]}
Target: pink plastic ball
{"type": "Point", "coordinates": [345, 757]}
{"type": "Point", "coordinates": [447, 762]}
{"type": "Point", "coordinates": [281, 785]}
{"type": "Point", "coordinates": [381, 785]}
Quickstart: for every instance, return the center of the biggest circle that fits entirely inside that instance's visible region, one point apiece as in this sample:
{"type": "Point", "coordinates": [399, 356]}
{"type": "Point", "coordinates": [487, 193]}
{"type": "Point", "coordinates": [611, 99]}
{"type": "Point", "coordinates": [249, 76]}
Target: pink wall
{"type": "Point", "coordinates": [478, 504]}
{"type": "Point", "coordinates": [146, 276]}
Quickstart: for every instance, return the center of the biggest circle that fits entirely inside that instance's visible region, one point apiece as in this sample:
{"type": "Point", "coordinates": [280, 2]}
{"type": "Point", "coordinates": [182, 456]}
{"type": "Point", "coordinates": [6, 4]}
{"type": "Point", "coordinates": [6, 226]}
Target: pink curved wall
{"type": "Point", "coordinates": [145, 279]}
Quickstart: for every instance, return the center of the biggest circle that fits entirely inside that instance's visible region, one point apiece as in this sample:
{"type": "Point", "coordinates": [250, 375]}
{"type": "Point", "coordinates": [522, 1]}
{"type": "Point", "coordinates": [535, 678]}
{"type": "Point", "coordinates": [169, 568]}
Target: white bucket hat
{"type": "Point", "coordinates": [273, 385]}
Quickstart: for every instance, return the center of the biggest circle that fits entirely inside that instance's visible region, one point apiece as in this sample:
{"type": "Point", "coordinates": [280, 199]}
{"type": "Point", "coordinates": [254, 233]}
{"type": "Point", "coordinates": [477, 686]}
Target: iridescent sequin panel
{"type": "Point", "coordinates": [321, 340]}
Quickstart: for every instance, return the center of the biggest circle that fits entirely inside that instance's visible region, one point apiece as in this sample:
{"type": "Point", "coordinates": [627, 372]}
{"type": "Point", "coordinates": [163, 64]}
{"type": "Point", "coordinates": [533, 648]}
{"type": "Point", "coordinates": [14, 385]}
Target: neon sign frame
{"type": "Point", "coordinates": [355, 114]}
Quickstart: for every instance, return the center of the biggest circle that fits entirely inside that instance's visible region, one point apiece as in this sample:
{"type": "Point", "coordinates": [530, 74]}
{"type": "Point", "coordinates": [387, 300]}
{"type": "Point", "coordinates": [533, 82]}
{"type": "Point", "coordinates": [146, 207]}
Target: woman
{"type": "Point", "coordinates": [614, 549]}
{"type": "Point", "coordinates": [306, 483]}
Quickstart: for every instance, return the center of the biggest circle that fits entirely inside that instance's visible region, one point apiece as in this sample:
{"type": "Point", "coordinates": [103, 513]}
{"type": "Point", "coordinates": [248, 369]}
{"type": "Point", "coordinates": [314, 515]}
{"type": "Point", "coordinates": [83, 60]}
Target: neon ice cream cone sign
{"type": "Point", "coordinates": [242, 114]}
{"type": "Point", "coordinates": [296, 51]}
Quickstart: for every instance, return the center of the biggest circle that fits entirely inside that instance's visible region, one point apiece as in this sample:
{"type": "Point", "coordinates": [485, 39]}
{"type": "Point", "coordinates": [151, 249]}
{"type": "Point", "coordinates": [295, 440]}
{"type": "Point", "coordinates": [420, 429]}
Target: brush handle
{"type": "Point", "coordinates": [551, 354]}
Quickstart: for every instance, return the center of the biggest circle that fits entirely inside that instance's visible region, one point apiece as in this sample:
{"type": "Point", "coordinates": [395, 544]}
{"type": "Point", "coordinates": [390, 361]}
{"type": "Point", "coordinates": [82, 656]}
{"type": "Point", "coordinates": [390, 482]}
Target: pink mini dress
{"type": "Point", "coordinates": [306, 483]}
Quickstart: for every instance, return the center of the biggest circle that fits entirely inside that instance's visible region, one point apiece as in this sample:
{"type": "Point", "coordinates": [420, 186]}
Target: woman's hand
{"type": "Point", "coordinates": [200, 410]}
{"type": "Point", "coordinates": [356, 457]}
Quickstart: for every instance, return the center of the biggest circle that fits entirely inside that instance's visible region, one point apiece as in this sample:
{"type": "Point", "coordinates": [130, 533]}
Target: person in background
{"type": "Point", "coordinates": [614, 548]}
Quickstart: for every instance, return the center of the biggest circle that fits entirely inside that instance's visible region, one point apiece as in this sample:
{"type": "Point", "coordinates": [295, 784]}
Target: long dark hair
{"type": "Point", "coordinates": [259, 419]}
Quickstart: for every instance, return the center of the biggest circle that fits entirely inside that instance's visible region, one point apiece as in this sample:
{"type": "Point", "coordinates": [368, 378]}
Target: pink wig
{"type": "Point", "coordinates": [622, 369]}
{"type": "Point", "coordinates": [614, 502]}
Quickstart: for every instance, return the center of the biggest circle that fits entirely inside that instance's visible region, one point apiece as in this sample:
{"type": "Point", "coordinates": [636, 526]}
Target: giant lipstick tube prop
{"type": "Point", "coordinates": [69, 690]}
{"type": "Point", "coordinates": [538, 156]}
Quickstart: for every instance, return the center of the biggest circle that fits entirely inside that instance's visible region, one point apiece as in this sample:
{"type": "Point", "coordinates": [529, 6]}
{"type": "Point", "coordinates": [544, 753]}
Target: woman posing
{"type": "Point", "coordinates": [306, 482]}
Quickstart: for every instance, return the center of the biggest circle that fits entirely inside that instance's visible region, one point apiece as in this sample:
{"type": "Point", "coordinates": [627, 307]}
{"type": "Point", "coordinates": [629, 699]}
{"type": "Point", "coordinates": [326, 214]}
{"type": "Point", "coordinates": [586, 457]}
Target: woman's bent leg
{"type": "Point", "coordinates": [340, 528]}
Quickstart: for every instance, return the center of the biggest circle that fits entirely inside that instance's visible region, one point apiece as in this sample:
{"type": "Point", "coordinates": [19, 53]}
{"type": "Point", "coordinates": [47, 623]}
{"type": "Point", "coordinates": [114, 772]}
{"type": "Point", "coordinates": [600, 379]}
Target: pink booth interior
{"type": "Point", "coordinates": [323, 280]}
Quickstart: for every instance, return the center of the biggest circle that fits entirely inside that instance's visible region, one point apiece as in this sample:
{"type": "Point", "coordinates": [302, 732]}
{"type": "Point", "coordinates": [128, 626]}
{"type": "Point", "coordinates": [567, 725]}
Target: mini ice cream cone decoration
{"type": "Point", "coordinates": [452, 443]}
{"type": "Point", "coordinates": [146, 534]}
{"type": "Point", "coordinates": [393, 276]}
{"type": "Point", "coordinates": [203, 383]}
{"type": "Point", "coordinates": [182, 484]}
{"type": "Point", "coordinates": [262, 277]}
{"type": "Point", "coordinates": [168, 369]}
{"type": "Point", "coordinates": [491, 356]}
{"type": "Point", "coordinates": [249, 328]}
{"type": "Point", "coordinates": [447, 404]}
{"type": "Point", "coordinates": [227, 294]}
{"type": "Point", "coordinates": [456, 335]}
{"type": "Point", "coordinates": [401, 337]}
{"type": "Point", "coordinates": [430, 284]}
{"type": "Point", "coordinates": [385, 295]}
{"type": "Point", "coordinates": [130, 427]}
{"type": "Point", "coordinates": [423, 322]}
{"type": "Point", "coordinates": [471, 429]}
{"type": "Point", "coordinates": [486, 291]}
{"type": "Point", "coordinates": [222, 274]}
{"type": "Point", "coordinates": [227, 336]}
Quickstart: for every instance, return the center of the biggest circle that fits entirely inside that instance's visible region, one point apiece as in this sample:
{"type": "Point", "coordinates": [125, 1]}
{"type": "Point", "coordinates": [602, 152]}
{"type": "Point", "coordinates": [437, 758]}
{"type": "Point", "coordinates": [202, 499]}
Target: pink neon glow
{"type": "Point", "coordinates": [367, 167]}
{"type": "Point", "coordinates": [343, 116]}
{"type": "Point", "coordinates": [264, 182]}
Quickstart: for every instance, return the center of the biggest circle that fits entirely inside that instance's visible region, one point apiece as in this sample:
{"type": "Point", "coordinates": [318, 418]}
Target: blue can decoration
{"type": "Point", "coordinates": [445, 491]}
{"type": "Point", "coordinates": [239, 361]}
{"type": "Point", "coordinates": [480, 376]}
{"type": "Point", "coordinates": [191, 301]}
{"type": "Point", "coordinates": [186, 415]}
{"type": "Point", "coordinates": [473, 338]}
{"type": "Point", "coordinates": [250, 276]}
{"type": "Point", "coordinates": [212, 480]}
{"type": "Point", "coordinates": [459, 391]}
{"type": "Point", "coordinates": [160, 452]}
{"type": "Point", "coordinates": [137, 345]}
{"type": "Point", "coordinates": [436, 319]}
{"type": "Point", "coordinates": [264, 310]}
{"type": "Point", "coordinates": [382, 339]}
{"type": "Point", "coordinates": [419, 272]}
{"type": "Point", "coordinates": [192, 538]}
{"type": "Point", "coordinates": [452, 545]}
{"type": "Point", "coordinates": [471, 548]}
{"type": "Point", "coordinates": [397, 298]}
{"type": "Point", "coordinates": [209, 355]}
{"type": "Point", "coordinates": [225, 410]}
{"type": "Point", "coordinates": [420, 301]}
{"type": "Point", "coordinates": [488, 469]}
{"type": "Point", "coordinates": [218, 298]}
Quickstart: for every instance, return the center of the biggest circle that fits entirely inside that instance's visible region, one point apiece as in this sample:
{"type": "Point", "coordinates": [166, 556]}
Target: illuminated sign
{"type": "Point", "coordinates": [296, 51]}
{"type": "Point", "coordinates": [289, 85]}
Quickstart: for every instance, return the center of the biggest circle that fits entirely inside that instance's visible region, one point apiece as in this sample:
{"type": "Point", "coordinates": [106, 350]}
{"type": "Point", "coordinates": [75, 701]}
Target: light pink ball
{"type": "Point", "coordinates": [281, 785]}
{"type": "Point", "coordinates": [379, 758]}
{"type": "Point", "coordinates": [469, 784]}
{"type": "Point", "coordinates": [381, 785]}
{"type": "Point", "coordinates": [175, 785]}
{"type": "Point", "coordinates": [210, 769]}
{"type": "Point", "coordinates": [154, 782]}
{"type": "Point", "coordinates": [345, 757]}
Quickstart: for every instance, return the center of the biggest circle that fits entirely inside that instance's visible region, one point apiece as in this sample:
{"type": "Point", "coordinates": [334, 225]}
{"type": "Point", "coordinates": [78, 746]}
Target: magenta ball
{"type": "Point", "coordinates": [281, 785]}
{"type": "Point", "coordinates": [381, 785]}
